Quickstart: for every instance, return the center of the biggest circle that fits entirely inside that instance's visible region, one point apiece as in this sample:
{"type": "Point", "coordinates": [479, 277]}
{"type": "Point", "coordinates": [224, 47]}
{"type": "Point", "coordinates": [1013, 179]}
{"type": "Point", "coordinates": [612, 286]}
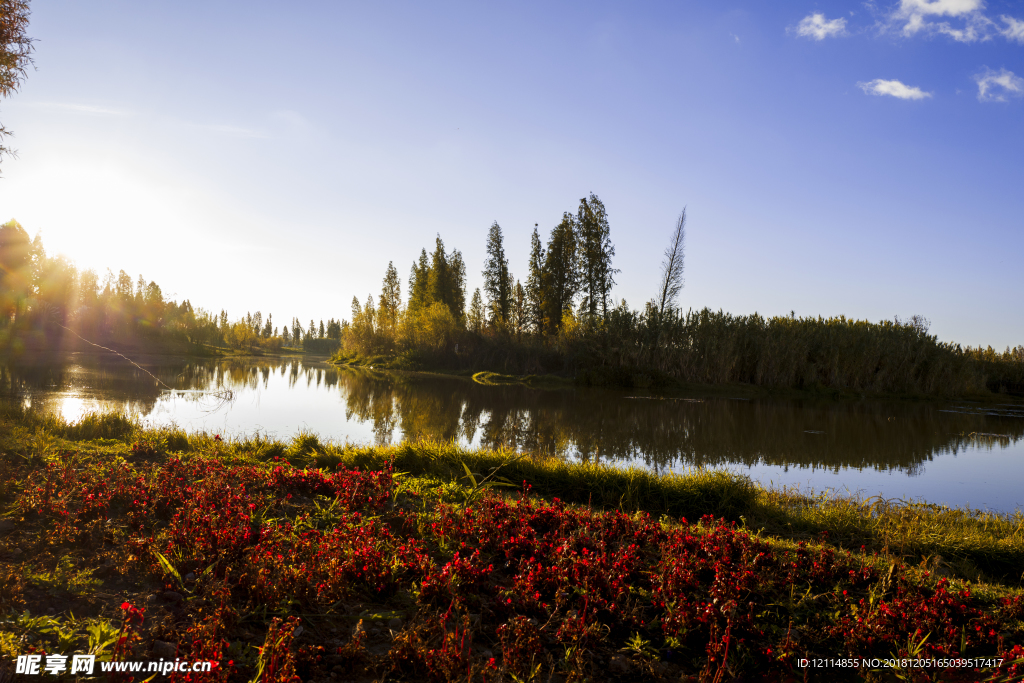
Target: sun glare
{"type": "Point", "coordinates": [72, 408]}
{"type": "Point", "coordinates": [102, 215]}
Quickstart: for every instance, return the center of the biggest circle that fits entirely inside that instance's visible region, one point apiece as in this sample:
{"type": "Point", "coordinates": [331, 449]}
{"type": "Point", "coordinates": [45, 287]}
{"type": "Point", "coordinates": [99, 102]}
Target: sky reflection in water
{"type": "Point", "coordinates": [955, 453]}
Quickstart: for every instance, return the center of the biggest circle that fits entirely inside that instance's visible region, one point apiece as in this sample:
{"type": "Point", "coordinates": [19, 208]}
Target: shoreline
{"type": "Point", "coordinates": [667, 388]}
{"type": "Point", "coordinates": [680, 389]}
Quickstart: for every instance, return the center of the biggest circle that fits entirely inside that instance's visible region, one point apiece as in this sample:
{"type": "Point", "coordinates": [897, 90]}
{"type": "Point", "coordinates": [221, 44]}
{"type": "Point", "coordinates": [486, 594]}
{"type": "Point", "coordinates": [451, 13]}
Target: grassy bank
{"type": "Point", "coordinates": [412, 563]}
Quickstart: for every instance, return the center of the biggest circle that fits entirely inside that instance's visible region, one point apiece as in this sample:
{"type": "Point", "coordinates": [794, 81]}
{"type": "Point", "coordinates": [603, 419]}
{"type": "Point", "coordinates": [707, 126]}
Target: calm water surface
{"type": "Point", "coordinates": [956, 453]}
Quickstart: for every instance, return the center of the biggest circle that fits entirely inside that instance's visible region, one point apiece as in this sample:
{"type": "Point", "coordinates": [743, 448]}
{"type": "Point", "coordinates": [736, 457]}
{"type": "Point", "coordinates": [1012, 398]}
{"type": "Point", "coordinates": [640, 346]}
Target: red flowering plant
{"type": "Point", "coordinates": [500, 587]}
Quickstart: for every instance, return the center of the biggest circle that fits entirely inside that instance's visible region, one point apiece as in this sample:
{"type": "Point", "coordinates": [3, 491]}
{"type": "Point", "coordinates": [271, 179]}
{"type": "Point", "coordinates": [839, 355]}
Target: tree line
{"type": "Point", "coordinates": [559, 318]}
{"type": "Point", "coordinates": [568, 280]}
{"type": "Point", "coordinates": [43, 298]}
{"type": "Point", "coordinates": [47, 303]}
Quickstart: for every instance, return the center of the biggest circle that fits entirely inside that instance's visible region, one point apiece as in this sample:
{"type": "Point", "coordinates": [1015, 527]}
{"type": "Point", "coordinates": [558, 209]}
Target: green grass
{"type": "Point", "coordinates": [965, 543]}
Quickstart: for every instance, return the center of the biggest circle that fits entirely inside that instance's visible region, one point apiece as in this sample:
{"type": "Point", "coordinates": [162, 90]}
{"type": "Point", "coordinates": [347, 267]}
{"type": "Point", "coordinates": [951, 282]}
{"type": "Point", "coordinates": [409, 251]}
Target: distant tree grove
{"type": "Point", "coordinates": [569, 283]}
{"type": "Point", "coordinates": [47, 303]}
{"type": "Point", "coordinates": [560, 318]}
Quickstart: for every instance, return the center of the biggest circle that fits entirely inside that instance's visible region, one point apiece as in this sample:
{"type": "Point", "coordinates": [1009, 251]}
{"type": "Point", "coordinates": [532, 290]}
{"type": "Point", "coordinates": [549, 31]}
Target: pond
{"type": "Point", "coordinates": [953, 452]}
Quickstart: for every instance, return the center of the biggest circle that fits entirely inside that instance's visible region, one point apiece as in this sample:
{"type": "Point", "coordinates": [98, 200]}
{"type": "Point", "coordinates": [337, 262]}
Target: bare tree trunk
{"type": "Point", "coordinates": [672, 266]}
{"type": "Point", "coordinates": [671, 276]}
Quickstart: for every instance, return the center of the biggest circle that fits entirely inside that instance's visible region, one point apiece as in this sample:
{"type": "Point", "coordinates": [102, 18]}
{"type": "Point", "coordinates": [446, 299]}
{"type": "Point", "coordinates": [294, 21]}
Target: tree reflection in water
{"type": "Point", "coordinates": [591, 425]}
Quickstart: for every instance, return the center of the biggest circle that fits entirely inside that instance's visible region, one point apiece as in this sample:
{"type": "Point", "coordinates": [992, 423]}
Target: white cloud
{"type": "Point", "coordinates": [976, 27]}
{"type": "Point", "coordinates": [915, 14]}
{"type": "Point", "coordinates": [998, 86]}
{"type": "Point", "coordinates": [817, 27]}
{"type": "Point", "coordinates": [893, 89]}
{"type": "Point", "coordinates": [941, 8]}
{"type": "Point", "coordinates": [961, 20]}
{"type": "Point", "coordinates": [1014, 29]}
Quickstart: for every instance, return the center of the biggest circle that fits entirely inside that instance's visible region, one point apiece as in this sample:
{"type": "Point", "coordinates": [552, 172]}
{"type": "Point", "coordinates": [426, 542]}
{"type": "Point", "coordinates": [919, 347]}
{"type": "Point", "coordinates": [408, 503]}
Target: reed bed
{"type": "Point", "coordinates": [1004, 372]}
{"type": "Point", "coordinates": [642, 348]}
{"type": "Point", "coordinates": [711, 347]}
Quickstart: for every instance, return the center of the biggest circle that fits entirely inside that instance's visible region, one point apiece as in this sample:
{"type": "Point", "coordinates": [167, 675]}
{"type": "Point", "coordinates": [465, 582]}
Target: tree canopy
{"type": "Point", "coordinates": [15, 54]}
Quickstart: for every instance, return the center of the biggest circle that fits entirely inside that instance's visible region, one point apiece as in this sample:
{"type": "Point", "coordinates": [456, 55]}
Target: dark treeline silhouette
{"type": "Point", "coordinates": [561, 319]}
{"type": "Point", "coordinates": [564, 320]}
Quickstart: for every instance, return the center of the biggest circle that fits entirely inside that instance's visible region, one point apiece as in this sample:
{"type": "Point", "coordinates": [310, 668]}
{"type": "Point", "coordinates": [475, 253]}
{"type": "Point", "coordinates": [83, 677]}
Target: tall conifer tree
{"type": "Point", "coordinates": [390, 300]}
{"type": "Point", "coordinates": [457, 272]}
{"type": "Point", "coordinates": [497, 279]}
{"type": "Point", "coordinates": [419, 283]}
{"type": "Point", "coordinates": [534, 289]}
{"type": "Point", "coordinates": [595, 252]}
{"type": "Point", "coordinates": [440, 277]}
{"type": "Point", "coordinates": [561, 271]}
{"type": "Point", "coordinates": [475, 319]}
{"type": "Point", "coordinates": [519, 315]}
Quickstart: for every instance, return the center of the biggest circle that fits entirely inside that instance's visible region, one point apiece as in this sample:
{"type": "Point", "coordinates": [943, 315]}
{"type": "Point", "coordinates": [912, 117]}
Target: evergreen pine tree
{"type": "Point", "coordinates": [519, 315]}
{"type": "Point", "coordinates": [475, 318]}
{"type": "Point", "coordinates": [457, 272]}
{"type": "Point", "coordinates": [561, 272]}
{"type": "Point", "coordinates": [370, 313]}
{"type": "Point", "coordinates": [535, 286]}
{"type": "Point", "coordinates": [440, 280]}
{"type": "Point", "coordinates": [390, 301]}
{"type": "Point", "coordinates": [595, 251]}
{"type": "Point", "coordinates": [419, 284]}
{"type": "Point", "coordinates": [497, 280]}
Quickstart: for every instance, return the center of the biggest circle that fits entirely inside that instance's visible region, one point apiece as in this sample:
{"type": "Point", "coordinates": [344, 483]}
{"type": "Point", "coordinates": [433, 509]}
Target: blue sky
{"type": "Point", "coordinates": [834, 157]}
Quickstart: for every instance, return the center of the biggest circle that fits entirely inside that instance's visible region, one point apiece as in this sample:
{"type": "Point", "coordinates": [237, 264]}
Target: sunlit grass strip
{"type": "Point", "coordinates": [109, 425]}
{"type": "Point", "coordinates": [630, 488]}
{"type": "Point", "coordinates": [959, 541]}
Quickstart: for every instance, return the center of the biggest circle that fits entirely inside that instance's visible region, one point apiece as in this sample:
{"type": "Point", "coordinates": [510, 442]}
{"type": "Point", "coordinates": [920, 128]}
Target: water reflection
{"type": "Point", "coordinates": [597, 426]}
